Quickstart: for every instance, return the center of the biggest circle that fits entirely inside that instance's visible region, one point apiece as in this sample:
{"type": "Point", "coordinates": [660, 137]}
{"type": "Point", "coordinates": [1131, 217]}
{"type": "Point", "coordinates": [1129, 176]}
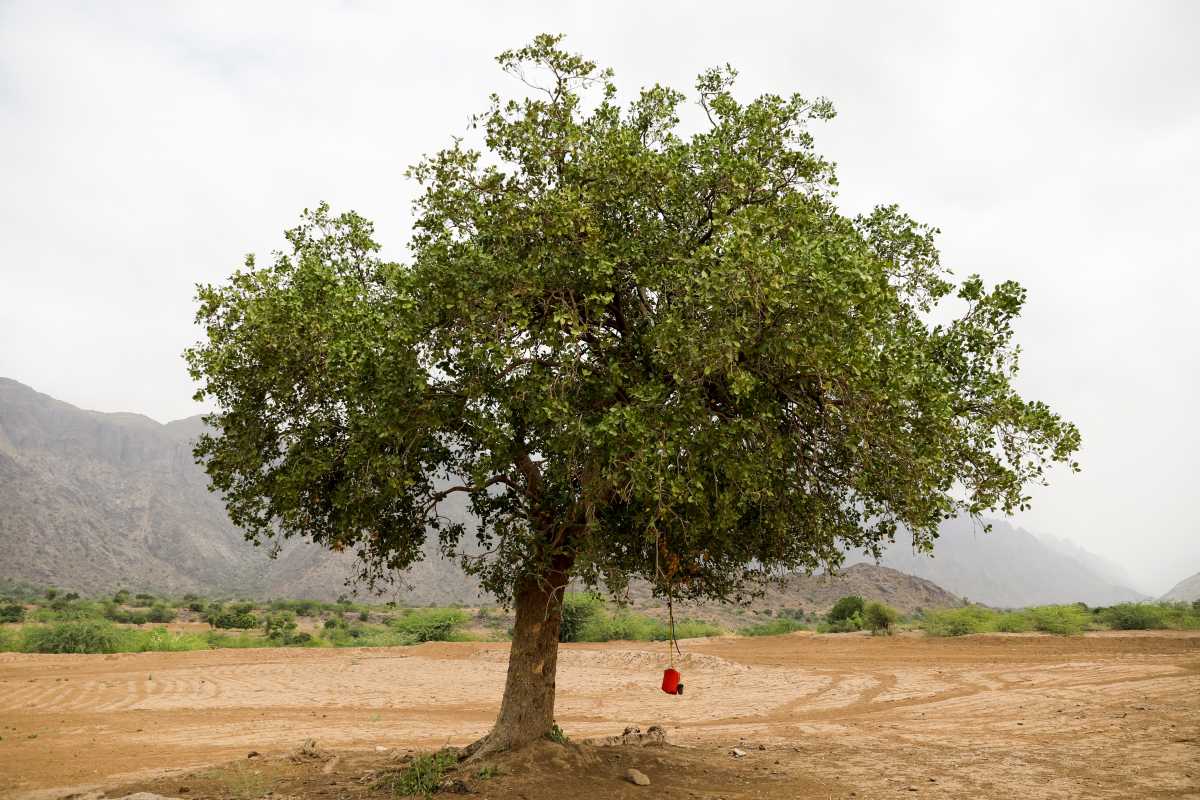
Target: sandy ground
{"type": "Point", "coordinates": [1019, 716]}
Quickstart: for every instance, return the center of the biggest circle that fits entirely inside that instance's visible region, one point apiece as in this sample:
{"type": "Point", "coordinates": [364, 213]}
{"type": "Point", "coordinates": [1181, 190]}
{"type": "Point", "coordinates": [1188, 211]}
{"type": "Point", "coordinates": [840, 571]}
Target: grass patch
{"type": "Point", "coordinates": [959, 621]}
{"type": "Point", "coordinates": [776, 627]}
{"type": "Point", "coordinates": [80, 636]}
{"type": "Point", "coordinates": [423, 776]}
{"type": "Point", "coordinates": [1062, 620]}
{"type": "Point", "coordinates": [1150, 616]}
{"type": "Point", "coordinates": [431, 625]}
{"type": "Point", "coordinates": [586, 618]}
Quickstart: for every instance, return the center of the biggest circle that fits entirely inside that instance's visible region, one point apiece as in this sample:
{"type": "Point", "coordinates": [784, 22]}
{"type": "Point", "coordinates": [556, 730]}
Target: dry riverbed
{"type": "Point", "coordinates": [1019, 716]}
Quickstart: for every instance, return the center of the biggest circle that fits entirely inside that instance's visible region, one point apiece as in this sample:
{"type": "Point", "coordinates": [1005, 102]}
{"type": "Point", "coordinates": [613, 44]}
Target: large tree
{"type": "Point", "coordinates": [637, 353]}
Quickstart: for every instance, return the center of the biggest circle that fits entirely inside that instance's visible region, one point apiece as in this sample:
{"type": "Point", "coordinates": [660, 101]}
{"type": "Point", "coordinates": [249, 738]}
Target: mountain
{"type": "Point", "coordinates": [1009, 567]}
{"type": "Point", "coordinates": [1186, 591]}
{"type": "Point", "coordinates": [92, 501]}
{"type": "Point", "coordinates": [812, 594]}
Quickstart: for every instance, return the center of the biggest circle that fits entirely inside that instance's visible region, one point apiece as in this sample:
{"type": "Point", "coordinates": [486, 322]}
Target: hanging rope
{"type": "Point", "coordinates": [666, 579]}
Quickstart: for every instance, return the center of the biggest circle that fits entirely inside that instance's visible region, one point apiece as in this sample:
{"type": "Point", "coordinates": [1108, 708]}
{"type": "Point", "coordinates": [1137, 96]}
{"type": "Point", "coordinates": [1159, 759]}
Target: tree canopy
{"type": "Point", "coordinates": [638, 352]}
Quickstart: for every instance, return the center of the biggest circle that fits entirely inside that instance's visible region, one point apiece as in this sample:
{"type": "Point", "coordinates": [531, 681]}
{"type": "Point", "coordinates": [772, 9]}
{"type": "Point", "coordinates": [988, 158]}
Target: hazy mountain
{"type": "Point", "coordinates": [1010, 567]}
{"type": "Point", "coordinates": [1186, 591]}
{"type": "Point", "coordinates": [92, 501]}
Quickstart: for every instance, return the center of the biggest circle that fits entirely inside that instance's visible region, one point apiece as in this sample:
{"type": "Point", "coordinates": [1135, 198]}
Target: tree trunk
{"type": "Point", "coordinates": [527, 710]}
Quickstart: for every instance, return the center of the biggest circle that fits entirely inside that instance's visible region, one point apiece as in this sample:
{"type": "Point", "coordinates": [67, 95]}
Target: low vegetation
{"type": "Point", "coordinates": [52, 621]}
{"type": "Point", "coordinates": [1064, 620]}
{"type": "Point", "coordinates": [587, 618]}
{"type": "Point", "coordinates": [423, 776]}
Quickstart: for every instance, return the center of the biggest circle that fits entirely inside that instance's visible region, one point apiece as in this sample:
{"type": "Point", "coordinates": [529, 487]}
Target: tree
{"type": "Point", "coordinates": [879, 617]}
{"type": "Point", "coordinates": [845, 608]}
{"type": "Point", "coordinates": [635, 353]}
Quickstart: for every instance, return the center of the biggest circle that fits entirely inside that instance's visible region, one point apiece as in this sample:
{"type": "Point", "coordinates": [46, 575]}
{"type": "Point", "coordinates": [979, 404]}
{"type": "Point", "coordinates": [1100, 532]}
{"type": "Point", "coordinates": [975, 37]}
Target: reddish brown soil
{"type": "Point", "coordinates": [1098, 716]}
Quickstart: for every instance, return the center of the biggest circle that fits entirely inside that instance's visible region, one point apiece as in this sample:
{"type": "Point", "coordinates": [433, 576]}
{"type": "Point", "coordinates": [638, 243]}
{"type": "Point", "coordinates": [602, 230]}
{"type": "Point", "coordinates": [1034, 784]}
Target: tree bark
{"type": "Point", "coordinates": [527, 710]}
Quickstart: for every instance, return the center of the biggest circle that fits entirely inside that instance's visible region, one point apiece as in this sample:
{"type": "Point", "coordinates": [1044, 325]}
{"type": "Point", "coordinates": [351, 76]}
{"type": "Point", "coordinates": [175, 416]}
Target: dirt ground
{"type": "Point", "coordinates": [841, 716]}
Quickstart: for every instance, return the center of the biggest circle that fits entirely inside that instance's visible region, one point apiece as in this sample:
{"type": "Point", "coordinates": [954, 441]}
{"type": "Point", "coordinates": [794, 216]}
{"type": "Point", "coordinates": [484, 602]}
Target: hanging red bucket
{"type": "Point", "coordinates": [671, 684]}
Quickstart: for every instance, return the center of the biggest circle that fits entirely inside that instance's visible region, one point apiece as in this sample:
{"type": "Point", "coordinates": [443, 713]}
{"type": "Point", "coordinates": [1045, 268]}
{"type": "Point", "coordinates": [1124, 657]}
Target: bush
{"type": "Point", "coordinates": [776, 627]}
{"type": "Point", "coordinates": [846, 608]}
{"type": "Point", "coordinates": [12, 612]}
{"type": "Point", "coordinates": [579, 611]}
{"type": "Point", "coordinates": [238, 616]}
{"type": "Point", "coordinates": [432, 625]}
{"type": "Point", "coordinates": [160, 613]}
{"type": "Point", "coordinates": [279, 625]}
{"type": "Point", "coordinates": [162, 640]}
{"type": "Point", "coordinates": [84, 636]}
{"type": "Point", "coordinates": [1134, 616]}
{"type": "Point", "coordinates": [1062, 620]}
{"type": "Point", "coordinates": [848, 625]}
{"type": "Point", "coordinates": [1013, 622]}
{"type": "Point", "coordinates": [423, 776]}
{"type": "Point", "coordinates": [121, 597]}
{"type": "Point", "coordinates": [958, 621]}
{"type": "Point", "coordinates": [879, 617]}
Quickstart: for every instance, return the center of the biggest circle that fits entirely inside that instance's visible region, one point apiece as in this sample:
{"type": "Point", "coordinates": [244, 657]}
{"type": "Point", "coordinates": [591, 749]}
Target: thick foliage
{"type": "Point", "coordinates": [845, 608]}
{"type": "Point", "coordinates": [879, 617]}
{"type": "Point", "coordinates": [636, 352]}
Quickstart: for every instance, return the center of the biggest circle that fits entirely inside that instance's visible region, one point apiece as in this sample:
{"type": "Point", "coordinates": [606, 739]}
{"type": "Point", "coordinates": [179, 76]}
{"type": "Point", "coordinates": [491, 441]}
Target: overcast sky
{"type": "Point", "coordinates": [147, 146]}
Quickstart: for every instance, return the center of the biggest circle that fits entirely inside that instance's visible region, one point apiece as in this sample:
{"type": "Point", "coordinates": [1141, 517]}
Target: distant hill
{"type": "Point", "coordinates": [1010, 567]}
{"type": "Point", "coordinates": [815, 594]}
{"type": "Point", "coordinates": [1186, 591]}
{"type": "Point", "coordinates": [92, 501]}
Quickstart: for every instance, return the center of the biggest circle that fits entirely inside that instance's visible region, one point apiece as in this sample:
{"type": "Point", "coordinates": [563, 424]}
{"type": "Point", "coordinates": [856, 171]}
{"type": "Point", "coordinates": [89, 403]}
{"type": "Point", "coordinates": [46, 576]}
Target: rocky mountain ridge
{"type": "Point", "coordinates": [93, 501]}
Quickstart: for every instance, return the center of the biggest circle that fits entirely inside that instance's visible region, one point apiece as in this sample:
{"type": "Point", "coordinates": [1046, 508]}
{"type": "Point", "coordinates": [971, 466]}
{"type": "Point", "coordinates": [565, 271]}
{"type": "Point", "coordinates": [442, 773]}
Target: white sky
{"type": "Point", "coordinates": [147, 146]}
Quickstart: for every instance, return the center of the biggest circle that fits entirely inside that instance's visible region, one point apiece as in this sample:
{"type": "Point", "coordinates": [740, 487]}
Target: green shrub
{"type": "Point", "coordinates": [1012, 622]}
{"type": "Point", "coordinates": [848, 625]}
{"type": "Point", "coordinates": [279, 625]}
{"type": "Point", "coordinates": [235, 620]}
{"type": "Point", "coordinates": [846, 608]}
{"type": "Point", "coordinates": [10, 640]}
{"type": "Point", "coordinates": [579, 611]}
{"type": "Point", "coordinates": [694, 629]}
{"type": "Point", "coordinates": [431, 625]}
{"type": "Point", "coordinates": [776, 627]}
{"type": "Point", "coordinates": [879, 617]}
{"type": "Point", "coordinates": [423, 775]}
{"type": "Point", "coordinates": [162, 640]}
{"type": "Point", "coordinates": [160, 613]}
{"type": "Point", "coordinates": [221, 640]}
{"type": "Point", "coordinates": [81, 636]}
{"type": "Point", "coordinates": [958, 621]}
{"type": "Point", "coordinates": [1135, 616]}
{"type": "Point", "coordinates": [1062, 620]}
{"type": "Point", "coordinates": [12, 612]}
{"type": "Point", "coordinates": [557, 735]}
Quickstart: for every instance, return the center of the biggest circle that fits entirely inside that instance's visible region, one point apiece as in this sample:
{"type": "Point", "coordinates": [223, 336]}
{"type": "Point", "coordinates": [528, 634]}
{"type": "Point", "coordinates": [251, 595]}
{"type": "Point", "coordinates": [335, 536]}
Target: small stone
{"type": "Point", "coordinates": [380, 748]}
{"type": "Point", "coordinates": [636, 777]}
{"type": "Point", "coordinates": [254, 754]}
{"type": "Point", "coordinates": [737, 752]}
{"type": "Point", "coordinates": [762, 747]}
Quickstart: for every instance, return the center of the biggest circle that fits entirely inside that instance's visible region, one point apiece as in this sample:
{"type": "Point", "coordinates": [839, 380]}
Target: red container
{"type": "Point", "coordinates": [671, 684]}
